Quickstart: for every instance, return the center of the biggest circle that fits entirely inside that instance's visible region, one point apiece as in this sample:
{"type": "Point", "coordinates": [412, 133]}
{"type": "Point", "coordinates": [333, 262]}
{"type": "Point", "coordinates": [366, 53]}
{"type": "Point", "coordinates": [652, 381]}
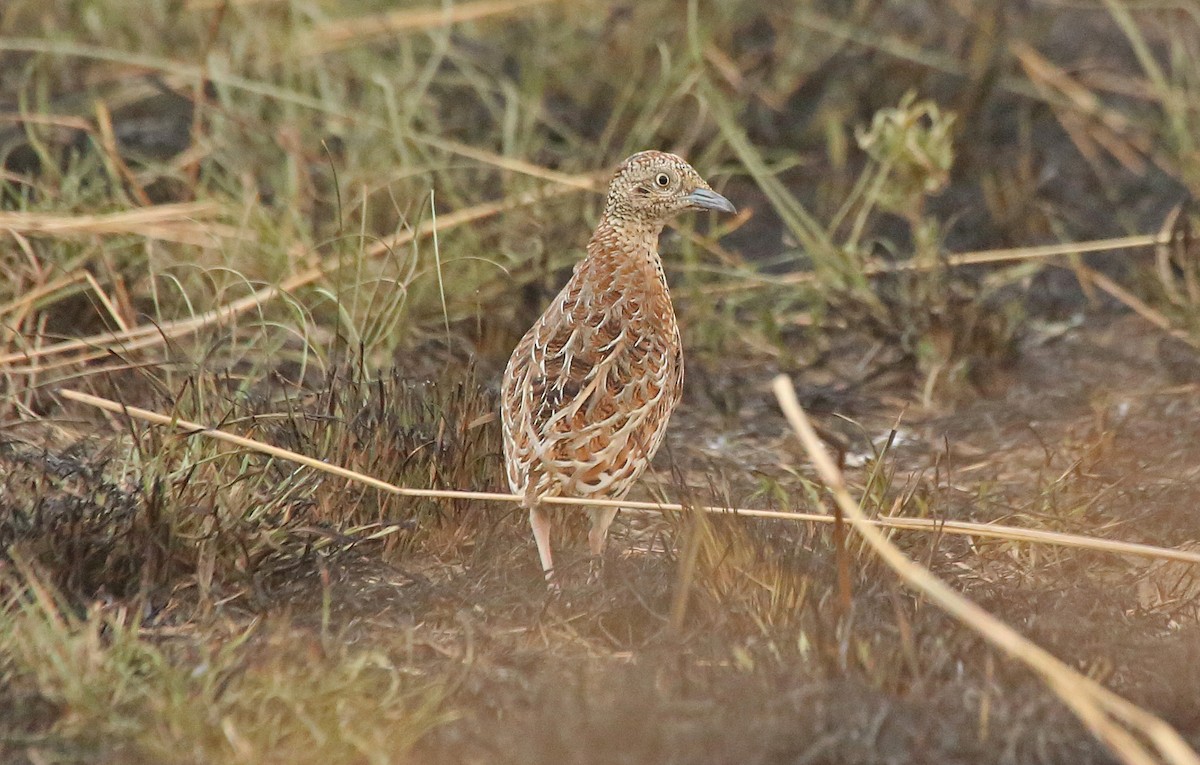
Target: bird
{"type": "Point", "coordinates": [588, 390]}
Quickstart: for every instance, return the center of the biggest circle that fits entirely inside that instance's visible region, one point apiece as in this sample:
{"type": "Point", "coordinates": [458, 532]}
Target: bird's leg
{"type": "Point", "coordinates": [539, 520]}
{"type": "Point", "coordinates": [602, 518]}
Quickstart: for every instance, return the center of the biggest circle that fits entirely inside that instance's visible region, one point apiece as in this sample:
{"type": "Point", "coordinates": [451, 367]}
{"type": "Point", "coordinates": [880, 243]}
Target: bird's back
{"type": "Point", "coordinates": [589, 390]}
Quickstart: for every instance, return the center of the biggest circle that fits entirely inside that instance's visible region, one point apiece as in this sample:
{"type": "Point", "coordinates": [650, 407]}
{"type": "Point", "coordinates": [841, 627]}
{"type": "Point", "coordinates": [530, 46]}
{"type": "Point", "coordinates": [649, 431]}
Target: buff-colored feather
{"type": "Point", "coordinates": [589, 390]}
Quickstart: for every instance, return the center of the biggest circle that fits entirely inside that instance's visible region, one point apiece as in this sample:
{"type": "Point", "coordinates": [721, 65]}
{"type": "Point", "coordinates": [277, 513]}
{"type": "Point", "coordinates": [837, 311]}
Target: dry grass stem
{"type": "Point", "coordinates": [1087, 121]}
{"type": "Point", "coordinates": [1136, 304]}
{"type": "Point", "coordinates": [150, 335]}
{"type": "Point", "coordinates": [212, 5]}
{"type": "Point", "coordinates": [584, 182]}
{"type": "Point", "coordinates": [342, 33]}
{"type": "Point", "coordinates": [1109, 717]}
{"type": "Point", "coordinates": [992, 531]}
{"type": "Point", "coordinates": [961, 259]}
{"type": "Point", "coordinates": [22, 303]}
{"type": "Point", "coordinates": [168, 222]}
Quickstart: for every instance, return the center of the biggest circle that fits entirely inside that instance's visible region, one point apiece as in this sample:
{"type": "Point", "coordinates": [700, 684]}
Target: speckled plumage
{"type": "Point", "coordinates": [588, 391]}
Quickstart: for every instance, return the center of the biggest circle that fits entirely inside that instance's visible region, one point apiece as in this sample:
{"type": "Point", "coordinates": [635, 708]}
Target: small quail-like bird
{"type": "Point", "coordinates": [590, 387]}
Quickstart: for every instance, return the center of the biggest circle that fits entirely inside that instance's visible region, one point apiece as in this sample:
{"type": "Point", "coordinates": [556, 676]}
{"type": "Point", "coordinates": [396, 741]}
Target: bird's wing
{"type": "Point", "coordinates": [589, 389]}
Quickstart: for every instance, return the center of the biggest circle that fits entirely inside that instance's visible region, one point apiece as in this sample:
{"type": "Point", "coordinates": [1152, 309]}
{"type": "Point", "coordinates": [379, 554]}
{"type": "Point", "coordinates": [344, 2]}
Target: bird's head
{"type": "Point", "coordinates": [650, 187]}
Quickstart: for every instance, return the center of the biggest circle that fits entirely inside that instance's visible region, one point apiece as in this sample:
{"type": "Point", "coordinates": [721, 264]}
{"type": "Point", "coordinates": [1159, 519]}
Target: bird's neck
{"type": "Point", "coordinates": [623, 263]}
{"type": "Point", "coordinates": [625, 242]}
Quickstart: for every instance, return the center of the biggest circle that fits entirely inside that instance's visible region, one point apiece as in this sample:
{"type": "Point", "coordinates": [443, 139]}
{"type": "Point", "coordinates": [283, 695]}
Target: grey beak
{"type": "Point", "coordinates": [710, 200]}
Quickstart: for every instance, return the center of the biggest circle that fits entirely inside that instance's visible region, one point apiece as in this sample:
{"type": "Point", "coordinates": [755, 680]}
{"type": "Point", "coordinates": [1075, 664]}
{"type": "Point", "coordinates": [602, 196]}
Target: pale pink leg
{"type": "Point", "coordinates": [540, 521]}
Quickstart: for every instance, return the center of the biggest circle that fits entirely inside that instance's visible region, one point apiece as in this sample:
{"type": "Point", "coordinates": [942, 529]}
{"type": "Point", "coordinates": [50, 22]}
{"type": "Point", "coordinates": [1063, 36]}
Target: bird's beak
{"type": "Point", "coordinates": [710, 200]}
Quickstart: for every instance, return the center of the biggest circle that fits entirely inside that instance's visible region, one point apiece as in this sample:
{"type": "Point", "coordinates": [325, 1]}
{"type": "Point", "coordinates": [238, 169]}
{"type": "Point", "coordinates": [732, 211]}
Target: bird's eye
{"type": "Point", "coordinates": [663, 180]}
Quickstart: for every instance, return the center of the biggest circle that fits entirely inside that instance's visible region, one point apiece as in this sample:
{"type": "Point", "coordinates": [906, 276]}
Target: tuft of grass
{"type": "Point", "coordinates": [112, 690]}
{"type": "Point", "coordinates": [187, 524]}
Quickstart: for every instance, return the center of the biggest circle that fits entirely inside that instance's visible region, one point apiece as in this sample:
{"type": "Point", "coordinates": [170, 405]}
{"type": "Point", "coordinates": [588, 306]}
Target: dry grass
{"type": "Point", "coordinates": [329, 464]}
{"type": "Point", "coordinates": [322, 226]}
{"type": "Point", "coordinates": [1114, 720]}
{"type": "Point", "coordinates": [262, 693]}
